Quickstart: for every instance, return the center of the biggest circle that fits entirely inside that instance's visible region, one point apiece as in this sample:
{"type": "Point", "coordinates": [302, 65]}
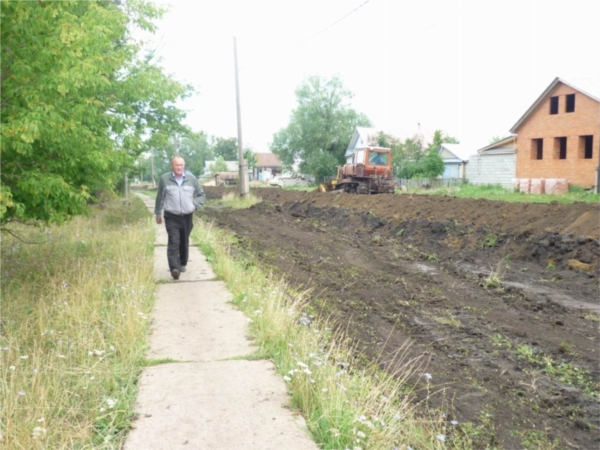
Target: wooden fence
{"type": "Point", "coordinates": [430, 183]}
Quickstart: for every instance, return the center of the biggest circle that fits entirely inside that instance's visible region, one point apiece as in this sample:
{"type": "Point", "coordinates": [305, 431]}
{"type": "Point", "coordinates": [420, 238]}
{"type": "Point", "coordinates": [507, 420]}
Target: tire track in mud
{"type": "Point", "coordinates": [423, 284]}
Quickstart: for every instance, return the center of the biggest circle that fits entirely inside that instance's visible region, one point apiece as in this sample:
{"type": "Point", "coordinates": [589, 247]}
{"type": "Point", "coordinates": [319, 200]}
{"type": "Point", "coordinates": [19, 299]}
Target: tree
{"type": "Point", "coordinates": [195, 149]}
{"type": "Point", "coordinates": [320, 127]}
{"type": "Point", "coordinates": [218, 166]}
{"type": "Point", "coordinates": [225, 147]}
{"type": "Point", "coordinates": [412, 159]}
{"type": "Point", "coordinates": [250, 157]}
{"type": "Point", "coordinates": [78, 100]}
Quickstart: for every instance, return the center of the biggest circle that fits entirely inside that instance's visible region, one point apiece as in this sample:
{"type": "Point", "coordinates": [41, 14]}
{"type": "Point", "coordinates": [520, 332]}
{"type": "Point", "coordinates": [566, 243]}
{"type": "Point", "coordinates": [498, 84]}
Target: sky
{"type": "Point", "coordinates": [470, 68]}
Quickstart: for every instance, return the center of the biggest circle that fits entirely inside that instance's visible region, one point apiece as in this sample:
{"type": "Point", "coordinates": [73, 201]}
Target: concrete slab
{"type": "Point", "coordinates": [194, 322]}
{"type": "Point", "coordinates": [220, 405]}
{"type": "Point", "coordinates": [207, 402]}
{"type": "Point", "coordinates": [198, 269]}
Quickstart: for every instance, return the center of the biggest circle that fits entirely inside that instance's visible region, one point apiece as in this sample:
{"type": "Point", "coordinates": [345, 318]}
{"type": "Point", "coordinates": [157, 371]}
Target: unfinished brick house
{"type": "Point", "coordinates": [559, 135]}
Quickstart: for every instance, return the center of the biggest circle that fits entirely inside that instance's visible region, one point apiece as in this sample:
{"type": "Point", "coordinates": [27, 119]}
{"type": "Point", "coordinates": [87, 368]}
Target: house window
{"type": "Point", "coordinates": [537, 149]}
{"type": "Point", "coordinates": [570, 103]}
{"type": "Point", "coordinates": [560, 148]}
{"type": "Point", "coordinates": [586, 147]}
{"type": "Point", "coordinates": [553, 105]}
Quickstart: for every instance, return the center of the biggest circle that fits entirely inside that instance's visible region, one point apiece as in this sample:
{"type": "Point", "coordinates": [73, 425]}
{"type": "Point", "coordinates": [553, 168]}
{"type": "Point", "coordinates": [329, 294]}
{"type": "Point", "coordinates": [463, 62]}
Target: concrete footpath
{"type": "Point", "coordinates": [208, 399]}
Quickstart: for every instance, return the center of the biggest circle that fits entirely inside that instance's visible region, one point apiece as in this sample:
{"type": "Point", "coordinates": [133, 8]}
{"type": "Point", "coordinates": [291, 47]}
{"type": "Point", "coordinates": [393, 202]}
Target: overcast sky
{"type": "Point", "coordinates": [469, 68]}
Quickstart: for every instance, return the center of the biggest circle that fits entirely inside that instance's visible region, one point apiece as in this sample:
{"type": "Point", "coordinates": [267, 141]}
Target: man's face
{"type": "Point", "coordinates": [178, 166]}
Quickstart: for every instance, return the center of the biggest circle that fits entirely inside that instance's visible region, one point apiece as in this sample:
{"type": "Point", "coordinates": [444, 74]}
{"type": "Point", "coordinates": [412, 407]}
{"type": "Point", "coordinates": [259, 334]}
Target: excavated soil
{"type": "Point", "coordinates": [500, 299]}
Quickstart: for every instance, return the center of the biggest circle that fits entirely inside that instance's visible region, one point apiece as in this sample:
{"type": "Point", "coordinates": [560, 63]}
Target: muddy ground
{"type": "Point", "coordinates": [500, 299]}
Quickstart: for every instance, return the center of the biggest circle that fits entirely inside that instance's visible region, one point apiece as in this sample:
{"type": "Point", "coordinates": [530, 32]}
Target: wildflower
{"type": "Point", "coordinates": [25, 357]}
{"type": "Point", "coordinates": [61, 356]}
{"type": "Point", "coordinates": [249, 320]}
{"type": "Point", "coordinates": [311, 380]}
{"type": "Point", "coordinates": [5, 348]}
{"type": "Point", "coordinates": [40, 420]}
{"type": "Point", "coordinates": [102, 409]}
{"type": "Point", "coordinates": [334, 431]}
{"type": "Point", "coordinates": [340, 373]}
{"type": "Point", "coordinates": [21, 394]}
{"type": "Point", "coordinates": [341, 386]}
{"type": "Point", "coordinates": [324, 390]}
{"type": "Point", "coordinates": [38, 432]}
{"type": "Point", "coordinates": [361, 418]}
{"type": "Point", "coordinates": [11, 367]}
{"type": "Point", "coordinates": [111, 402]}
{"type": "Point", "coordinates": [65, 284]}
{"type": "Point", "coordinates": [428, 376]}
{"type": "Point", "coordinates": [382, 423]}
{"type": "Point", "coordinates": [286, 378]}
{"type": "Point", "coordinates": [360, 434]}
{"type": "Point", "coordinates": [384, 398]}
{"type": "Point", "coordinates": [397, 416]}
{"type": "Point", "coordinates": [301, 364]}
{"type": "Point", "coordinates": [290, 345]}
{"type": "Point", "coordinates": [307, 371]}
{"type": "Point", "coordinates": [98, 352]}
{"type": "Point", "coordinates": [454, 422]}
{"type": "Point", "coordinates": [441, 437]}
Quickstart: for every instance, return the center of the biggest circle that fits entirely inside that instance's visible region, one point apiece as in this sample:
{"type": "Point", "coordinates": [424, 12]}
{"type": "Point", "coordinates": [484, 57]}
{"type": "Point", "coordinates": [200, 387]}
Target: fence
{"type": "Point", "coordinates": [430, 183]}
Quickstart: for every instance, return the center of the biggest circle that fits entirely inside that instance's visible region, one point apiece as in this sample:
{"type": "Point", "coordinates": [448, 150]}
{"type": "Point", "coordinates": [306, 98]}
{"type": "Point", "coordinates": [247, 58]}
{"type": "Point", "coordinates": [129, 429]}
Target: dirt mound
{"type": "Point", "coordinates": [488, 292]}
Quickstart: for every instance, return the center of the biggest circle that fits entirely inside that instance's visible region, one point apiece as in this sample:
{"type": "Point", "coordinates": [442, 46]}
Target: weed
{"type": "Point", "coordinates": [399, 233]}
{"type": "Point", "coordinates": [550, 266]}
{"type": "Point", "coordinates": [346, 400]}
{"type": "Point", "coordinates": [76, 333]}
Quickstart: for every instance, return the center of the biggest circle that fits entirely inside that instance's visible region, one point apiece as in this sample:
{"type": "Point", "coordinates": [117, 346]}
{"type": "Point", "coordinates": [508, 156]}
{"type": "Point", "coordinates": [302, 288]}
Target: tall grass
{"type": "Point", "coordinates": [74, 320]}
{"type": "Point", "coordinates": [346, 404]}
{"type": "Point", "coordinates": [497, 192]}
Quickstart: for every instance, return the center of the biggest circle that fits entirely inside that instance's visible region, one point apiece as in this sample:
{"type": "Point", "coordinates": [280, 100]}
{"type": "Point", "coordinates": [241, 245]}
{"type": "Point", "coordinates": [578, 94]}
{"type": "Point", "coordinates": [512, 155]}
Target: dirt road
{"type": "Point", "coordinates": [501, 299]}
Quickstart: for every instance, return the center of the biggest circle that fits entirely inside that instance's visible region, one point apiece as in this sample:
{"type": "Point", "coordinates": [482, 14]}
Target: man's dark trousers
{"type": "Point", "coordinates": [178, 229]}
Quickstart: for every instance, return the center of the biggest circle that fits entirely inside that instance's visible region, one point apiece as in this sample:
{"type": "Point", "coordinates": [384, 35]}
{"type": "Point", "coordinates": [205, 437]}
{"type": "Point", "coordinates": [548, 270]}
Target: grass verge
{"type": "Point", "coordinates": [74, 321]}
{"type": "Point", "coordinates": [497, 192]}
{"type": "Point", "coordinates": [345, 404]}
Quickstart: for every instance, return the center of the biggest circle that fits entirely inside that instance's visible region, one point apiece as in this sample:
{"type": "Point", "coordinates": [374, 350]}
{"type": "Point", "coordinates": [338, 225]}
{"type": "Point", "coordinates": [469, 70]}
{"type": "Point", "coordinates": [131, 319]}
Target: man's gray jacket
{"type": "Point", "coordinates": [179, 200]}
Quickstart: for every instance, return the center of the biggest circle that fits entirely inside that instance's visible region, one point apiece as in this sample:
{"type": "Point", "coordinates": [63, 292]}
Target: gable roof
{"type": "Point", "coordinates": [587, 86]}
{"type": "Point", "coordinates": [459, 151]}
{"type": "Point", "coordinates": [267, 160]}
{"type": "Point", "coordinates": [505, 145]}
{"type": "Point", "coordinates": [362, 137]}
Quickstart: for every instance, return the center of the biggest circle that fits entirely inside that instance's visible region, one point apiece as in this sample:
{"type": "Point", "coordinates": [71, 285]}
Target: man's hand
{"type": "Point", "coordinates": [158, 220]}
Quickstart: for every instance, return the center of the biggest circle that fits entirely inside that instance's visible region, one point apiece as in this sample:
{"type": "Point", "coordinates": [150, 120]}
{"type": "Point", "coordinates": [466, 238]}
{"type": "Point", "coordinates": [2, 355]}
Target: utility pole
{"type": "Point", "coordinates": [243, 174]}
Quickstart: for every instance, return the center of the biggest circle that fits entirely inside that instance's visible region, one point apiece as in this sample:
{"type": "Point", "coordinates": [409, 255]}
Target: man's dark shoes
{"type": "Point", "coordinates": [175, 274]}
{"type": "Point", "coordinates": [182, 269]}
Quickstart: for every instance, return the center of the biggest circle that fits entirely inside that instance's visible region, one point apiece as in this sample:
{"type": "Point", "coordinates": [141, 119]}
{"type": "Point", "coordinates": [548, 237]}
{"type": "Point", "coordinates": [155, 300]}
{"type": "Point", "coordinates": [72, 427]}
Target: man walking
{"type": "Point", "coordinates": [180, 194]}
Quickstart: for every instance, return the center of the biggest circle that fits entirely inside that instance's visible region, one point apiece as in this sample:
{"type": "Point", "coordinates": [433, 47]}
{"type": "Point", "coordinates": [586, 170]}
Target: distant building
{"type": "Point", "coordinates": [559, 135]}
{"type": "Point", "coordinates": [455, 157]}
{"type": "Point", "coordinates": [494, 164]}
{"type": "Point", "coordinates": [361, 137]}
{"type": "Point", "coordinates": [267, 166]}
{"type": "Point", "coordinates": [232, 166]}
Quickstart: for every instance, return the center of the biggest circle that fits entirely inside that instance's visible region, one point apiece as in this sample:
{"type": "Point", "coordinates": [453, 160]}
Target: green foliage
{"type": "Point", "coordinates": [225, 147]}
{"type": "Point", "coordinates": [250, 157]}
{"type": "Point", "coordinates": [218, 166]}
{"type": "Point", "coordinates": [413, 159]}
{"type": "Point", "coordinates": [77, 100]}
{"type": "Point", "coordinates": [320, 127]}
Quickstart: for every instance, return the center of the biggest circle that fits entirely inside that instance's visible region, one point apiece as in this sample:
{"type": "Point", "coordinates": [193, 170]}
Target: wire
{"type": "Point", "coordinates": [316, 34]}
{"type": "Point", "coordinates": [334, 23]}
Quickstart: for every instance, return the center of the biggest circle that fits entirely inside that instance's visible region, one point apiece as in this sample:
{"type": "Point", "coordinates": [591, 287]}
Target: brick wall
{"type": "Point", "coordinates": [584, 121]}
{"type": "Point", "coordinates": [491, 169]}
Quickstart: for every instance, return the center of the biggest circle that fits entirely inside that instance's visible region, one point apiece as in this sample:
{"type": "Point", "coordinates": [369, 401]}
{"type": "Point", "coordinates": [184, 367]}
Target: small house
{"type": "Point", "coordinates": [494, 164]}
{"type": "Point", "coordinates": [455, 157]}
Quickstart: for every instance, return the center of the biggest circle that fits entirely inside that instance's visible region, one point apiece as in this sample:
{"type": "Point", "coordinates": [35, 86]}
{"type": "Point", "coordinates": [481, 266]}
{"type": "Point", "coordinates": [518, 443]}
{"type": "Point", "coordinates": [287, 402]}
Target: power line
{"type": "Point", "coordinates": [334, 23]}
{"type": "Point", "coordinates": [319, 33]}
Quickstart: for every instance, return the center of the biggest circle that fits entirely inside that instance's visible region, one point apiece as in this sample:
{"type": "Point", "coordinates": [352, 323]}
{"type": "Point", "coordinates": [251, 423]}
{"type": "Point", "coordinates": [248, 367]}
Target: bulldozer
{"type": "Point", "coordinates": [367, 171]}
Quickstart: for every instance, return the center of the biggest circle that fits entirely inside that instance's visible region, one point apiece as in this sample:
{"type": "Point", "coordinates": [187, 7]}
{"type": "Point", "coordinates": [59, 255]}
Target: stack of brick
{"type": "Point", "coordinates": [557, 186]}
{"type": "Point", "coordinates": [515, 182]}
{"type": "Point", "coordinates": [524, 185]}
{"type": "Point", "coordinates": [536, 186]}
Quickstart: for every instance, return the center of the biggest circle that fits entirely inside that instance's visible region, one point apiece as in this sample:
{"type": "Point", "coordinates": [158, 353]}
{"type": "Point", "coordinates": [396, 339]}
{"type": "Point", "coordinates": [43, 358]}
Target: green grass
{"type": "Point", "coordinates": [497, 192]}
{"type": "Point", "coordinates": [347, 402]}
{"type": "Point", "coordinates": [74, 321]}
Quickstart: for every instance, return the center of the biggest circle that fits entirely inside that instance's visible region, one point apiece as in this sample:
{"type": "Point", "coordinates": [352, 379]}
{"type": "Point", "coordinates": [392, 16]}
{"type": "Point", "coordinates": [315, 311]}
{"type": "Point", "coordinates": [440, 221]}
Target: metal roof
{"type": "Point", "coordinates": [505, 144]}
{"type": "Point", "coordinates": [267, 160]}
{"type": "Point", "coordinates": [587, 86]}
{"type": "Point", "coordinates": [461, 152]}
